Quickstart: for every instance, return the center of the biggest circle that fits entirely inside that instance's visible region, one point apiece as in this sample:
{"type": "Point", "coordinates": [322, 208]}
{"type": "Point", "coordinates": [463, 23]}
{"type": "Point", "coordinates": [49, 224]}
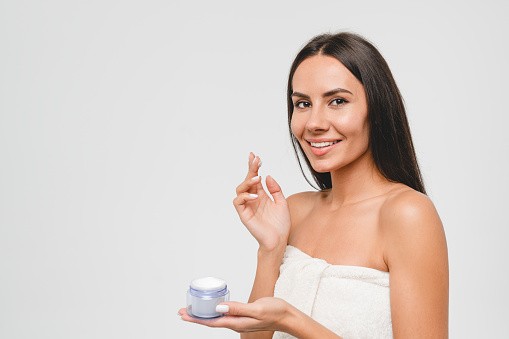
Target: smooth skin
{"type": "Point", "coordinates": [364, 220]}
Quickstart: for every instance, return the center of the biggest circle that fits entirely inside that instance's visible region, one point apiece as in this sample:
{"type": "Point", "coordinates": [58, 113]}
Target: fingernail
{"type": "Point", "coordinates": [260, 163]}
{"type": "Point", "coordinates": [254, 178]}
{"type": "Point", "coordinates": [253, 195]}
{"type": "Point", "coordinates": [253, 161]}
{"type": "Point", "coordinates": [222, 308]}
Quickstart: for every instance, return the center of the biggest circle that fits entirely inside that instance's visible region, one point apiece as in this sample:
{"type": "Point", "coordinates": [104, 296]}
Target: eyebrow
{"type": "Point", "coordinates": [326, 94]}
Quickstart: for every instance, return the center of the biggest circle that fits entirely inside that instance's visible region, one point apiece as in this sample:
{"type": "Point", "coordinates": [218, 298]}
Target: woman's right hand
{"type": "Point", "coordinates": [268, 221]}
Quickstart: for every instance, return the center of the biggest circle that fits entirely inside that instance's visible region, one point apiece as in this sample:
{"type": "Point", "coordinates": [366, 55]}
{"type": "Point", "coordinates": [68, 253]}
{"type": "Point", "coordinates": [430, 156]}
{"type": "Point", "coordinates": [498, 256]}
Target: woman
{"type": "Point", "coordinates": [365, 256]}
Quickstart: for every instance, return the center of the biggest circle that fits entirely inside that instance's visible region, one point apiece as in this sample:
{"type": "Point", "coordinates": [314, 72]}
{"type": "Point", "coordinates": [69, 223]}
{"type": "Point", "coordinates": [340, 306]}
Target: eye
{"type": "Point", "coordinates": [302, 104]}
{"type": "Point", "coordinates": [338, 102]}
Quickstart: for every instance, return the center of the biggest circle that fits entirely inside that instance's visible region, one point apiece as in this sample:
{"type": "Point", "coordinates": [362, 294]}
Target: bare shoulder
{"type": "Point", "coordinates": [301, 204]}
{"type": "Point", "coordinates": [410, 222]}
{"type": "Point", "coordinates": [415, 252]}
{"type": "Point", "coordinates": [302, 197]}
{"type": "Point", "coordinates": [407, 208]}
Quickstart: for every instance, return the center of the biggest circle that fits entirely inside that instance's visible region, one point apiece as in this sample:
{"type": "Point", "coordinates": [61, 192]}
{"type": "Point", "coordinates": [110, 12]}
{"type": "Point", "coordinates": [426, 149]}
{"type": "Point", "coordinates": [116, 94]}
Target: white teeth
{"type": "Point", "coordinates": [323, 144]}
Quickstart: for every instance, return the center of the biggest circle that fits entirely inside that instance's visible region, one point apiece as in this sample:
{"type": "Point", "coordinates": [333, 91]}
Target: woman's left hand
{"type": "Point", "coordinates": [265, 314]}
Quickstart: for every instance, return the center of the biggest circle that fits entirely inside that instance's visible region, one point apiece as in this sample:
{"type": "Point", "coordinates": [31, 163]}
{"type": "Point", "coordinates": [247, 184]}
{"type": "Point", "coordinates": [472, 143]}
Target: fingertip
{"type": "Point", "coordinates": [222, 308]}
{"type": "Point", "coordinates": [274, 181]}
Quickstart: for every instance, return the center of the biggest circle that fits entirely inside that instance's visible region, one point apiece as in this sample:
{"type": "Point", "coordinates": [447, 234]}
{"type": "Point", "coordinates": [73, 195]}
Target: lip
{"type": "Point", "coordinates": [323, 140]}
{"type": "Point", "coordinates": [322, 150]}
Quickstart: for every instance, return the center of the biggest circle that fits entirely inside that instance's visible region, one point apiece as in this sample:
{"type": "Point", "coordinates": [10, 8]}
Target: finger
{"type": "Point", "coordinates": [242, 198]}
{"type": "Point", "coordinates": [240, 309]}
{"type": "Point", "coordinates": [251, 158]}
{"type": "Point", "coordinates": [247, 184]}
{"type": "Point", "coordinates": [254, 166]}
{"type": "Point", "coordinates": [275, 190]}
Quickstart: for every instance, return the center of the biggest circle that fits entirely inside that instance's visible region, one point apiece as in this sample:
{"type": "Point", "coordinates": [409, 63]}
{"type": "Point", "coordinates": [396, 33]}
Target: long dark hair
{"type": "Point", "coordinates": [389, 133]}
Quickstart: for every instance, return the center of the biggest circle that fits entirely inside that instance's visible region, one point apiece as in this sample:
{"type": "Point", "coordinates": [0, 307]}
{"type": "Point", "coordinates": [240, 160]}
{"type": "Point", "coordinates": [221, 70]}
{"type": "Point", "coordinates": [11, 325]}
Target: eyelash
{"type": "Point", "coordinates": [296, 105]}
{"type": "Point", "coordinates": [342, 102]}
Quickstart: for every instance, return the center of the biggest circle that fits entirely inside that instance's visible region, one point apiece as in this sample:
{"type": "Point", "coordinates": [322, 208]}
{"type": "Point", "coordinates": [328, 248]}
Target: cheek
{"type": "Point", "coordinates": [365, 128]}
{"type": "Point", "coordinates": [354, 126]}
{"type": "Point", "coordinates": [296, 126]}
{"type": "Point", "coordinates": [364, 136]}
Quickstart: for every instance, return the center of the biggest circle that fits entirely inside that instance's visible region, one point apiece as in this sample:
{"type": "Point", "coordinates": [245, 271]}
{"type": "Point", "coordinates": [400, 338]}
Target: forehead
{"type": "Point", "coordinates": [322, 73]}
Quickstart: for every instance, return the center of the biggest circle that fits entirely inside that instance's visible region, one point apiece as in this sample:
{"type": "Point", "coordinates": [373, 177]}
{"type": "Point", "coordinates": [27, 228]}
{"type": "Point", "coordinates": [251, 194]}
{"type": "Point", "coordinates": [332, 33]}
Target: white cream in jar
{"type": "Point", "coordinates": [204, 295]}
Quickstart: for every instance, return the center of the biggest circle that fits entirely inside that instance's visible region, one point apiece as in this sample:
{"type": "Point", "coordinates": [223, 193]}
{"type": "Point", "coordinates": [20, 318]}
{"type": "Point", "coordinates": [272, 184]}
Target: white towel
{"type": "Point", "coordinates": [351, 301]}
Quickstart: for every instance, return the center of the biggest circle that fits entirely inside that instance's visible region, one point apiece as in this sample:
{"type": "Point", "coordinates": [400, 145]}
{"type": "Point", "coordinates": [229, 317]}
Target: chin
{"type": "Point", "coordinates": [322, 168]}
{"type": "Point", "coordinates": [329, 166]}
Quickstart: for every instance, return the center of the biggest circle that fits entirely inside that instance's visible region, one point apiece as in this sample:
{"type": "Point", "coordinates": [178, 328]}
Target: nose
{"type": "Point", "coordinates": [317, 120]}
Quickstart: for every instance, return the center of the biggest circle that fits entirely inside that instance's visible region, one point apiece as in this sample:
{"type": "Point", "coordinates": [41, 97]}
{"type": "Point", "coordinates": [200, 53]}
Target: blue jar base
{"type": "Point", "coordinates": [190, 313]}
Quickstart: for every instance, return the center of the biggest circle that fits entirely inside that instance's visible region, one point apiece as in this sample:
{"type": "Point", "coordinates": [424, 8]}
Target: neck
{"type": "Point", "coordinates": [357, 181]}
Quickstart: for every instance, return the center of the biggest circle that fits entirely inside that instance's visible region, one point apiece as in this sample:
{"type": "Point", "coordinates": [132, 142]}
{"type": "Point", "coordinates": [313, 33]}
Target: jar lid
{"type": "Point", "coordinates": [208, 284]}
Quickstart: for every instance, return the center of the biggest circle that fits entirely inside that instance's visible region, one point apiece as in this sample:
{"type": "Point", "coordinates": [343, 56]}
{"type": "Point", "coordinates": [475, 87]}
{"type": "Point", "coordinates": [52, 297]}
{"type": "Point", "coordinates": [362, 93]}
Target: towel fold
{"type": "Point", "coordinates": [351, 301]}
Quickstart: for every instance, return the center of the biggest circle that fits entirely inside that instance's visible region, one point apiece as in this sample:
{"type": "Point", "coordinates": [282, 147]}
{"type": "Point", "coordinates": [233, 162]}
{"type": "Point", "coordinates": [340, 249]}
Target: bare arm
{"type": "Point", "coordinates": [267, 314]}
{"type": "Point", "coordinates": [267, 272]}
{"type": "Point", "coordinates": [302, 326]}
{"type": "Point", "coordinates": [416, 254]}
{"type": "Point", "coordinates": [269, 223]}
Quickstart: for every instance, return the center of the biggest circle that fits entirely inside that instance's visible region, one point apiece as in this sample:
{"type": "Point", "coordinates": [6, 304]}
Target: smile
{"type": "Point", "coordinates": [323, 144]}
{"type": "Point", "coordinates": [322, 147]}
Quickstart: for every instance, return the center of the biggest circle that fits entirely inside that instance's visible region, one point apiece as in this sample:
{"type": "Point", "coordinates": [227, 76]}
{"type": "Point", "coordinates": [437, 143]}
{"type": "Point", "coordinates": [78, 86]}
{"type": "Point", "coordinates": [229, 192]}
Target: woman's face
{"type": "Point", "coordinates": [330, 113]}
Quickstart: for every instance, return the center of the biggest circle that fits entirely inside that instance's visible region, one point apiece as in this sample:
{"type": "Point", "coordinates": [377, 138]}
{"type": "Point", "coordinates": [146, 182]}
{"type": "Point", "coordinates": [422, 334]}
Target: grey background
{"type": "Point", "coordinates": [125, 127]}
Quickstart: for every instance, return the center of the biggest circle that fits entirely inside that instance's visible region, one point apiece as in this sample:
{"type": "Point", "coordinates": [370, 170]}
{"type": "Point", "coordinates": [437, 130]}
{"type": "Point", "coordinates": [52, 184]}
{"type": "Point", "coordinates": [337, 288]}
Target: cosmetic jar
{"type": "Point", "coordinates": [204, 295]}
